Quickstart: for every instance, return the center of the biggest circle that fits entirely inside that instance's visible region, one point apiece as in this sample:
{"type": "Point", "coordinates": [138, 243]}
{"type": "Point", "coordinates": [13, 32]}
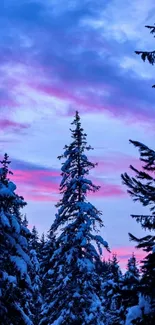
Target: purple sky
{"type": "Point", "coordinates": [60, 56]}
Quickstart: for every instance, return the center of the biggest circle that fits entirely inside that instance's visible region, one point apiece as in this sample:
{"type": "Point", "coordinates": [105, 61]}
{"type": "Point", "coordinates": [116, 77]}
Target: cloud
{"type": "Point", "coordinates": [6, 124]}
{"type": "Point", "coordinates": [123, 254]}
{"type": "Point", "coordinates": [71, 53]}
{"type": "Point", "coordinates": [41, 183]}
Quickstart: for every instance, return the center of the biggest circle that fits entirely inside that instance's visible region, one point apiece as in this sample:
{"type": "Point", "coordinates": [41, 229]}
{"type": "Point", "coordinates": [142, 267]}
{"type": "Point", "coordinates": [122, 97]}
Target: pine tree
{"type": "Point", "coordinates": [15, 282]}
{"type": "Point", "coordinates": [142, 189]}
{"type": "Point", "coordinates": [112, 294]}
{"type": "Point", "coordinates": [149, 55]}
{"type": "Point", "coordinates": [74, 297]}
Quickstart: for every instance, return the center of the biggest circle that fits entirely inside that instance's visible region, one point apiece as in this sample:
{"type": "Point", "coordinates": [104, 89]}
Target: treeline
{"type": "Point", "coordinates": [61, 279]}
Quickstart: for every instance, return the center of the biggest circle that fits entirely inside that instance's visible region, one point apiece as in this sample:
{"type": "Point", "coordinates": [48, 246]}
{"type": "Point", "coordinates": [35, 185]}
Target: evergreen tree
{"type": "Point", "coordinates": [36, 285]}
{"type": "Point", "coordinates": [15, 284]}
{"type": "Point", "coordinates": [25, 222]}
{"type": "Point", "coordinates": [34, 240]}
{"type": "Point", "coordinates": [149, 55]}
{"type": "Point", "coordinates": [74, 297]}
{"type": "Point", "coordinates": [41, 244]}
{"type": "Point", "coordinates": [34, 247]}
{"type": "Point", "coordinates": [46, 263]}
{"type": "Point", "coordinates": [142, 189]}
{"type": "Point", "coordinates": [130, 286]}
{"type": "Point", "coordinates": [112, 294]}
{"type": "Point", "coordinates": [41, 254]}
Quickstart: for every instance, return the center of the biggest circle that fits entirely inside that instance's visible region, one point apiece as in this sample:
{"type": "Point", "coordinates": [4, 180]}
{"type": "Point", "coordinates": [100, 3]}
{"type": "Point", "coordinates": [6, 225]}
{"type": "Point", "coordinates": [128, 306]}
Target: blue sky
{"type": "Point", "coordinates": [57, 57]}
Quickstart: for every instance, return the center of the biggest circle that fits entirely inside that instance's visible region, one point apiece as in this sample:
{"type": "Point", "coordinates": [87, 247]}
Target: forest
{"type": "Point", "coordinates": [62, 278]}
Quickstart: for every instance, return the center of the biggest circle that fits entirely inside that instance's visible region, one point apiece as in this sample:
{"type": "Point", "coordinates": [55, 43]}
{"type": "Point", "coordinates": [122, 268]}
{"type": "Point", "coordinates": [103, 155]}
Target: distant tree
{"type": "Point", "coordinates": [112, 294]}
{"type": "Point", "coordinates": [42, 243]}
{"type": "Point", "coordinates": [142, 189]}
{"type": "Point", "coordinates": [34, 247]}
{"type": "Point", "coordinates": [130, 286]}
{"type": "Point", "coordinates": [15, 283]}
{"type": "Point", "coordinates": [46, 263]}
{"type": "Point", "coordinates": [25, 222]}
{"type": "Point", "coordinates": [34, 240]}
{"type": "Point", "coordinates": [36, 285]}
{"type": "Point", "coordinates": [149, 55]}
{"type": "Point", "coordinates": [75, 298]}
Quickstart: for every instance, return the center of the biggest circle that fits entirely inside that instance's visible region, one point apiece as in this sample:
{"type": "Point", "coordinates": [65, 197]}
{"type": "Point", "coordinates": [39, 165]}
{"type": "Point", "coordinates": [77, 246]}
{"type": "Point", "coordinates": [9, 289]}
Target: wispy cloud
{"type": "Point", "coordinates": [6, 124]}
{"type": "Point", "coordinates": [124, 253]}
{"type": "Point", "coordinates": [71, 53]}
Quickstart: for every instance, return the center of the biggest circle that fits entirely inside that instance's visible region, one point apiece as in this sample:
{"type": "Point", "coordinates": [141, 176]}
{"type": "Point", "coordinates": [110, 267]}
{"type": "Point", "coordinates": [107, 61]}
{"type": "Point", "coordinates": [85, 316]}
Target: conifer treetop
{"type": "Point", "coordinates": [149, 55]}
{"type": "Point", "coordinates": [75, 286]}
{"type": "Point", "coordinates": [142, 186]}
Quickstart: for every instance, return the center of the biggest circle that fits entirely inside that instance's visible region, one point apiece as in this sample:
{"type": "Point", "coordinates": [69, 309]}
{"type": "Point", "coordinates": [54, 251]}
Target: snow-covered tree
{"type": "Point", "coordinates": [15, 283]}
{"type": "Point", "coordinates": [112, 294]}
{"type": "Point", "coordinates": [41, 243]}
{"type": "Point", "coordinates": [34, 240]}
{"type": "Point", "coordinates": [74, 297]}
{"type": "Point", "coordinates": [36, 298]}
{"type": "Point", "coordinates": [36, 285]}
{"type": "Point", "coordinates": [142, 189]}
{"type": "Point", "coordinates": [41, 253]}
{"type": "Point", "coordinates": [46, 263]}
{"type": "Point", "coordinates": [25, 222]}
{"type": "Point", "coordinates": [130, 286]}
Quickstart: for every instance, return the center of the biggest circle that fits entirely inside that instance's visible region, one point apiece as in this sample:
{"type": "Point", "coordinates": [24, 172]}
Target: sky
{"type": "Point", "coordinates": [57, 57]}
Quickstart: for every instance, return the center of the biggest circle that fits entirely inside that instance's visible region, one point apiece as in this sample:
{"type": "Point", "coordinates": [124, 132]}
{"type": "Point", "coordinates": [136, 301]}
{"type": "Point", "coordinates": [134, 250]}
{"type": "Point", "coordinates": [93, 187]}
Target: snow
{"type": "Point", "coordinates": [6, 192]}
{"type": "Point", "coordinates": [15, 224]}
{"type": "Point", "coordinates": [137, 311]}
{"type": "Point", "coordinates": [58, 321]}
{"type": "Point", "coordinates": [12, 279]}
{"type": "Point", "coordinates": [144, 304]}
{"type": "Point", "coordinates": [85, 264]}
{"type": "Point", "coordinates": [26, 319]}
{"type": "Point", "coordinates": [20, 251]}
{"type": "Point", "coordinates": [153, 249]}
{"type": "Point", "coordinates": [101, 240]}
{"type": "Point", "coordinates": [12, 186]}
{"type": "Point", "coordinates": [4, 220]}
{"type": "Point", "coordinates": [20, 264]}
{"type": "Point", "coordinates": [133, 313]}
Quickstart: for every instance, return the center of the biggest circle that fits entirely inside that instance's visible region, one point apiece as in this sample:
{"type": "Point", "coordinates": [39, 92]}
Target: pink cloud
{"type": "Point", "coordinates": [37, 185]}
{"type": "Point", "coordinates": [108, 190]}
{"type": "Point", "coordinates": [124, 253]}
{"type": "Point", "coordinates": [85, 96]}
{"type": "Point", "coordinates": [8, 124]}
{"type": "Point", "coordinates": [43, 185]}
{"type": "Point", "coordinates": [117, 163]}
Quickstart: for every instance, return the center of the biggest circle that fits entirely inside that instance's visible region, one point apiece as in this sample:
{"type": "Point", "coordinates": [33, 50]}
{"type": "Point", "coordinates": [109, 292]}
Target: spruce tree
{"type": "Point", "coordinates": [41, 244]}
{"type": "Point", "coordinates": [15, 283]}
{"type": "Point", "coordinates": [112, 294]}
{"type": "Point", "coordinates": [149, 55]}
{"type": "Point", "coordinates": [34, 240]}
{"type": "Point", "coordinates": [130, 286]}
{"type": "Point", "coordinates": [46, 263]}
{"type": "Point", "coordinates": [36, 285]}
{"type": "Point", "coordinates": [74, 297]}
{"type": "Point", "coordinates": [142, 189]}
{"type": "Point", "coordinates": [36, 303]}
{"type": "Point", "coordinates": [25, 222]}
